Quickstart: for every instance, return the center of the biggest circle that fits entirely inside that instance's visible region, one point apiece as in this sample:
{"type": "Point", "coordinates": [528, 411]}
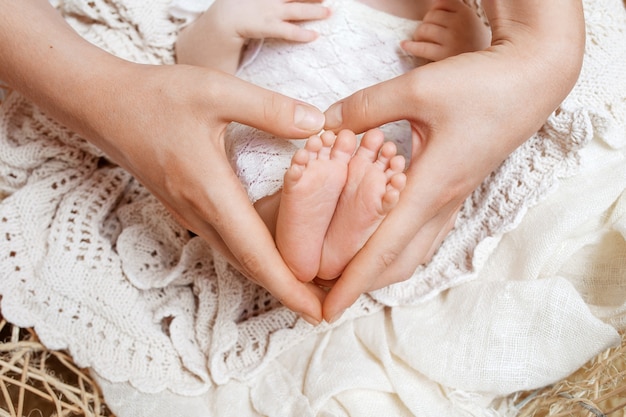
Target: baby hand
{"type": "Point", "coordinates": [257, 19]}
{"type": "Point", "coordinates": [217, 38]}
{"type": "Point", "coordinates": [449, 28]}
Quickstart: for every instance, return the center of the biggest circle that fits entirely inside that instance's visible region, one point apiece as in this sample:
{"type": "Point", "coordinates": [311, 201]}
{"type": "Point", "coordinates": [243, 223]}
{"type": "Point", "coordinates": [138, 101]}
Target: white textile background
{"type": "Point", "coordinates": [549, 296]}
{"type": "Point", "coordinates": [538, 299]}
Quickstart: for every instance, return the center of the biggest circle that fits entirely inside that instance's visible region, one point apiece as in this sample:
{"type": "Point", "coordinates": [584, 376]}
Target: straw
{"type": "Point", "coordinates": [598, 389]}
{"type": "Point", "coordinates": [35, 381]}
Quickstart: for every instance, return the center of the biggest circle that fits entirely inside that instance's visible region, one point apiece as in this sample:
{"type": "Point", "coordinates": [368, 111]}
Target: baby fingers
{"type": "Point", "coordinates": [297, 11]}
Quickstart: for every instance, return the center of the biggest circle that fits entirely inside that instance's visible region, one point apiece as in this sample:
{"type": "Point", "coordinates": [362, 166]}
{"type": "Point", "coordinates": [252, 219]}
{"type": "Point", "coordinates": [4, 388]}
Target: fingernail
{"type": "Point", "coordinates": [336, 317]}
{"type": "Point", "coordinates": [334, 116]}
{"type": "Point", "coordinates": [310, 319]}
{"type": "Point", "coordinates": [308, 119]}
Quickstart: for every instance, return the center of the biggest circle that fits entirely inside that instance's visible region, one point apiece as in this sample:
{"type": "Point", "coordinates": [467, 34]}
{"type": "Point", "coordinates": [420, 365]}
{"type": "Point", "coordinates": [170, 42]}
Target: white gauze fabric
{"type": "Point", "coordinates": [546, 299]}
{"type": "Point", "coordinates": [98, 267]}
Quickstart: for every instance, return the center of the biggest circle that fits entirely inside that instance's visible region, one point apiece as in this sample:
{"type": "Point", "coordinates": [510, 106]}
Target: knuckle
{"type": "Point", "coordinates": [273, 109]}
{"type": "Point", "coordinates": [250, 264]}
{"type": "Point", "coordinates": [361, 105]}
{"type": "Point", "coordinates": [366, 103]}
{"type": "Point", "coordinates": [387, 258]}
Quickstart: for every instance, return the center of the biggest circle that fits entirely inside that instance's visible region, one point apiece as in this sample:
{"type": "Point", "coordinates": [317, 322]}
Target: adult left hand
{"type": "Point", "coordinates": [467, 114]}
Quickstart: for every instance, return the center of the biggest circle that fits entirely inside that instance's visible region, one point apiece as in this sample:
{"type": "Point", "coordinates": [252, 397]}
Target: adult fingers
{"type": "Point", "coordinates": [417, 252]}
{"type": "Point", "coordinates": [371, 270]}
{"type": "Point", "coordinates": [373, 106]}
{"type": "Point", "coordinates": [226, 207]}
{"type": "Point", "coordinates": [246, 239]}
{"type": "Point", "coordinates": [408, 235]}
{"type": "Point", "coordinates": [271, 112]}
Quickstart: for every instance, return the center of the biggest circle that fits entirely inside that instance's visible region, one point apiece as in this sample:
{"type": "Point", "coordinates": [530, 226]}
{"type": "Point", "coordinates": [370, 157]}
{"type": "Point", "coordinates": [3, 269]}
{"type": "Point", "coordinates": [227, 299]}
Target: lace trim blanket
{"type": "Point", "coordinates": [97, 266]}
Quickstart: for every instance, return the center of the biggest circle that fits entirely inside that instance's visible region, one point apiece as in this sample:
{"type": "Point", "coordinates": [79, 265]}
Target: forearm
{"type": "Point", "coordinates": [550, 35]}
{"type": "Point", "coordinates": [44, 59]}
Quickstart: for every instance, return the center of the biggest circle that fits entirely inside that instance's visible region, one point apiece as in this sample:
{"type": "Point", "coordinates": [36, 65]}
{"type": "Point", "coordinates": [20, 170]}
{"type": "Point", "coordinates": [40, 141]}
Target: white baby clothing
{"type": "Point", "coordinates": [358, 47]}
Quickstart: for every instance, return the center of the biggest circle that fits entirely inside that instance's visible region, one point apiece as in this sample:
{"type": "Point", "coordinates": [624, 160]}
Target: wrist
{"type": "Point", "coordinates": [546, 38]}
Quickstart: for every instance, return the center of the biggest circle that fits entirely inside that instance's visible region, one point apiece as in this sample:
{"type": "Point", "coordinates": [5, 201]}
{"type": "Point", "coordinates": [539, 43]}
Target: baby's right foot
{"type": "Point", "coordinates": [375, 179]}
{"type": "Point", "coordinates": [312, 186]}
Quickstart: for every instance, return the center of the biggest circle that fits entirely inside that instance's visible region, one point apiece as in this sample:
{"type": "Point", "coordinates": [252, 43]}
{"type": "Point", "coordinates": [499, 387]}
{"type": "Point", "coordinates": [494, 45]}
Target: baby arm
{"type": "Point", "coordinates": [449, 28]}
{"type": "Point", "coordinates": [217, 37]}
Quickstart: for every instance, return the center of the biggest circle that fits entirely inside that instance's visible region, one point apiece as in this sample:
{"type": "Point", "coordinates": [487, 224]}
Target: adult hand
{"type": "Point", "coordinates": [165, 125]}
{"type": "Point", "coordinates": [467, 114]}
{"type": "Point", "coordinates": [179, 156]}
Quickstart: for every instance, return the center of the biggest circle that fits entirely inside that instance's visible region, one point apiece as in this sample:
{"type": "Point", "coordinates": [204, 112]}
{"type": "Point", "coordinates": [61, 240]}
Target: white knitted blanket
{"type": "Point", "coordinates": [97, 266]}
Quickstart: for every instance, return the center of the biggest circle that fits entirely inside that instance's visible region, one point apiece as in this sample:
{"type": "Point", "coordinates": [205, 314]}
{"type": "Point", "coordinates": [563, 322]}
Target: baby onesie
{"type": "Point", "coordinates": [358, 46]}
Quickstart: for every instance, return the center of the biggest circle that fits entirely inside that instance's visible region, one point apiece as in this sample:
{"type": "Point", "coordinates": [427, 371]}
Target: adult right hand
{"type": "Point", "coordinates": [165, 125]}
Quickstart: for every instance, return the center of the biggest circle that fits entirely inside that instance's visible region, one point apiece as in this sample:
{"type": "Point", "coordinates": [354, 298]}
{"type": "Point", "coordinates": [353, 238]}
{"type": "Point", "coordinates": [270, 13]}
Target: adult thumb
{"type": "Point", "coordinates": [269, 111]}
{"type": "Point", "coordinates": [371, 107]}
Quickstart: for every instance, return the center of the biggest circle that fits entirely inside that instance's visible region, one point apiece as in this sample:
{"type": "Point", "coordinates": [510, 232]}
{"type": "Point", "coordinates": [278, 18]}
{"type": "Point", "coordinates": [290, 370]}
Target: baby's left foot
{"type": "Point", "coordinates": [375, 179]}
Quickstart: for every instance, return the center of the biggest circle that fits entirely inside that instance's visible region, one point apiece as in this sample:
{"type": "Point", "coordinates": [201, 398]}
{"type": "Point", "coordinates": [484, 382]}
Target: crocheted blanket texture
{"type": "Point", "coordinates": [97, 266]}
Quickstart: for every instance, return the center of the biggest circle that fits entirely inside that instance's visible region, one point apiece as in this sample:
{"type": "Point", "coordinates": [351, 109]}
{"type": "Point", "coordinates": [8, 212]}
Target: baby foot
{"type": "Point", "coordinates": [375, 179]}
{"type": "Point", "coordinates": [449, 28]}
{"type": "Point", "coordinates": [311, 189]}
